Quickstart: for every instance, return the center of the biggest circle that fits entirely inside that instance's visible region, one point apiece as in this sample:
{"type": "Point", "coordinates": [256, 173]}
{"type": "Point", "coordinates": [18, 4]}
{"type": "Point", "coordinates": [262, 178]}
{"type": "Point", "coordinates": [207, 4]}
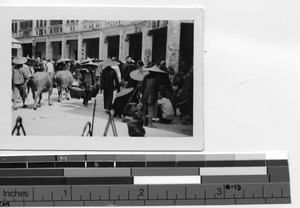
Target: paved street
{"type": "Point", "coordinates": [69, 117]}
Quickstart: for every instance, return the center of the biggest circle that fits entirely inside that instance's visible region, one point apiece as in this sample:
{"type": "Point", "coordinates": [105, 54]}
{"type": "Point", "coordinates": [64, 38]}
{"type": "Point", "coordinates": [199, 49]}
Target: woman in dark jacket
{"type": "Point", "coordinates": [149, 97]}
{"type": "Point", "coordinates": [86, 82]}
{"type": "Point", "coordinates": [109, 82]}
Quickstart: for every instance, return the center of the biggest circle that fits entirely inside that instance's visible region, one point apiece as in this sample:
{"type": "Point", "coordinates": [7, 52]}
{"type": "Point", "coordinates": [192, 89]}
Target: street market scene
{"type": "Point", "coordinates": [102, 78]}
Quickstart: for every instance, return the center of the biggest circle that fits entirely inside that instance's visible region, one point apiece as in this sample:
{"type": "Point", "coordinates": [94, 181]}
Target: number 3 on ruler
{"type": "Point", "coordinates": [219, 191]}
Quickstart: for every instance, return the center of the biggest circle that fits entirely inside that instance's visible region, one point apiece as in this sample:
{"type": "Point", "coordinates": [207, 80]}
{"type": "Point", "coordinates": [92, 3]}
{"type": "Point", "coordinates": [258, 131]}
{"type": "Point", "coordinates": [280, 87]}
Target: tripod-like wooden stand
{"type": "Point", "coordinates": [112, 123]}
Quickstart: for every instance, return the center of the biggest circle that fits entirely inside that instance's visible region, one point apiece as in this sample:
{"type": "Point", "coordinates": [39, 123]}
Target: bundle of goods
{"type": "Point", "coordinates": [95, 90]}
{"type": "Point", "coordinates": [77, 91]}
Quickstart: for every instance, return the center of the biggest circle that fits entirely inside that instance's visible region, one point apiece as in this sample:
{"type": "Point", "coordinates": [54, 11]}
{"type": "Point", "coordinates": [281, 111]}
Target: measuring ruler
{"type": "Point", "coordinates": [142, 180]}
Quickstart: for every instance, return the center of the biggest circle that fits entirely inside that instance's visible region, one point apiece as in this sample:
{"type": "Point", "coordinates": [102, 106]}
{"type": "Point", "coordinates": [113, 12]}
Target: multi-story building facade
{"type": "Point", "coordinates": [149, 41]}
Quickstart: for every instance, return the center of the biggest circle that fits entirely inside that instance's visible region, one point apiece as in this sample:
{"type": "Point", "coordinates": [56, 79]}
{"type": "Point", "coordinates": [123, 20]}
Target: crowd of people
{"type": "Point", "coordinates": [152, 92]}
{"type": "Point", "coordinates": [158, 93]}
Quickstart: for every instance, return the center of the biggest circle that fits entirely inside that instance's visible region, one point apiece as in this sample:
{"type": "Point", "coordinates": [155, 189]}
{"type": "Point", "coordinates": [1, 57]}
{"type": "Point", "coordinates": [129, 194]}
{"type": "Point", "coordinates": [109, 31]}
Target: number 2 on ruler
{"type": "Point", "coordinates": [141, 192]}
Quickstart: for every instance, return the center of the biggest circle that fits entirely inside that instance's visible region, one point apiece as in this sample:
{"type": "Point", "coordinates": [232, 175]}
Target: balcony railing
{"type": "Point", "coordinates": [55, 30]}
{"type": "Point", "coordinates": [90, 25]}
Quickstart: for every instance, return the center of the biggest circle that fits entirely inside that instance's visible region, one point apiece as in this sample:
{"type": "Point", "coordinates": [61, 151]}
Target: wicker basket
{"type": "Point", "coordinates": [77, 91]}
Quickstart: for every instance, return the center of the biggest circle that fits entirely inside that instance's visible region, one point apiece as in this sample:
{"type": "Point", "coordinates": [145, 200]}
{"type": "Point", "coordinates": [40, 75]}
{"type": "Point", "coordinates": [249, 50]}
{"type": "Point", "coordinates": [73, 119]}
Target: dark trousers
{"type": "Point", "coordinates": [87, 97]}
{"type": "Point", "coordinates": [108, 97]}
{"type": "Point", "coordinates": [21, 90]}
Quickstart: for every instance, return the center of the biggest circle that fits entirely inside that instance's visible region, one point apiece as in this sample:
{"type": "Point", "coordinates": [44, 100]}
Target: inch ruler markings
{"type": "Point", "coordinates": [127, 180]}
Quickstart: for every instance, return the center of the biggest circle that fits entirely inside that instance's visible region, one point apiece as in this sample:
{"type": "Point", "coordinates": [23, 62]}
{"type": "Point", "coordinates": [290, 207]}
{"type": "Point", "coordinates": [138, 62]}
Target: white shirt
{"type": "Point", "coordinates": [44, 62]}
{"type": "Point", "coordinates": [117, 69]}
{"type": "Point", "coordinates": [27, 69]}
{"type": "Point", "coordinates": [49, 67]}
{"type": "Point", "coordinates": [98, 71]}
{"type": "Point", "coordinates": [167, 108]}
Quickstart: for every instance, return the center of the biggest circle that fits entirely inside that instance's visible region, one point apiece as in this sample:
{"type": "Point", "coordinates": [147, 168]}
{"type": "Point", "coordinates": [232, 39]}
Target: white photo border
{"type": "Point", "coordinates": [194, 143]}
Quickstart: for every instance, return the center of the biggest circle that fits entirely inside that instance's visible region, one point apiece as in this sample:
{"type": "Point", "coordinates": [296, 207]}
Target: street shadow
{"type": "Point", "coordinates": [75, 107]}
{"type": "Point", "coordinates": [176, 125]}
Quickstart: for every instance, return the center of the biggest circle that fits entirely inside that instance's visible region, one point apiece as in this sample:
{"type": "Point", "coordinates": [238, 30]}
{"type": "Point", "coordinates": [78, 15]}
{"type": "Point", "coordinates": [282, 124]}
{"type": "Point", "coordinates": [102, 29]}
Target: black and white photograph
{"type": "Point", "coordinates": [150, 103]}
{"type": "Point", "coordinates": [96, 77]}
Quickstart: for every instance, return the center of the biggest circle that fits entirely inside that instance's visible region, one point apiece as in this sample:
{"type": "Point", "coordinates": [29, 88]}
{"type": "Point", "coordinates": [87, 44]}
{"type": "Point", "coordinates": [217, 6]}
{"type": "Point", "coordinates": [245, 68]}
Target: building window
{"type": "Point", "coordinates": [25, 25]}
{"type": "Point", "coordinates": [68, 21]}
{"type": "Point", "coordinates": [55, 22]}
{"type": "Point", "coordinates": [45, 22]}
{"type": "Point", "coordinates": [41, 23]}
{"type": "Point", "coordinates": [72, 21]}
{"type": "Point", "coordinates": [60, 30]}
{"type": "Point", "coordinates": [50, 30]}
{"type": "Point", "coordinates": [45, 32]}
{"type": "Point", "coordinates": [76, 20]}
{"type": "Point", "coordinates": [37, 23]}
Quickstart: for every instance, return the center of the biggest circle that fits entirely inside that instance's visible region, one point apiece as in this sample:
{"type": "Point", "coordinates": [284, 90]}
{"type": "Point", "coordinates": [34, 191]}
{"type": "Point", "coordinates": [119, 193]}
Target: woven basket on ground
{"type": "Point", "coordinates": [77, 91]}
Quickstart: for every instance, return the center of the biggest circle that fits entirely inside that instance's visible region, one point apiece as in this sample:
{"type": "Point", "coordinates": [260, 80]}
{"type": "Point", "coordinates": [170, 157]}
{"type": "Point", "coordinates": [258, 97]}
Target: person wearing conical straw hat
{"type": "Point", "coordinates": [20, 76]}
{"type": "Point", "coordinates": [149, 94]}
{"type": "Point", "coordinates": [87, 72]}
{"type": "Point", "coordinates": [109, 82]}
{"type": "Point", "coordinates": [164, 82]}
{"type": "Point", "coordinates": [137, 75]}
